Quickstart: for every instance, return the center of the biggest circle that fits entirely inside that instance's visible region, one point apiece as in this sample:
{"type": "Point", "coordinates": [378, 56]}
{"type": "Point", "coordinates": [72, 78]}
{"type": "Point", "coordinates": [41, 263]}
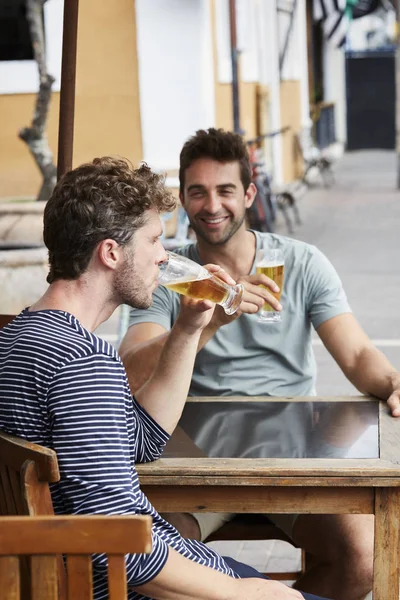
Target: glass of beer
{"type": "Point", "coordinates": [270, 262]}
{"type": "Point", "coordinates": [187, 277]}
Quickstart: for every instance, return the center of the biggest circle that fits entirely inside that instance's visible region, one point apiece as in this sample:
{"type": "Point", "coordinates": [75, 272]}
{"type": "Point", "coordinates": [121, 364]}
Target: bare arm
{"type": "Point", "coordinates": [183, 579]}
{"type": "Point", "coordinates": [164, 393]}
{"type": "Point", "coordinates": [365, 366]}
{"type": "Point", "coordinates": [140, 350]}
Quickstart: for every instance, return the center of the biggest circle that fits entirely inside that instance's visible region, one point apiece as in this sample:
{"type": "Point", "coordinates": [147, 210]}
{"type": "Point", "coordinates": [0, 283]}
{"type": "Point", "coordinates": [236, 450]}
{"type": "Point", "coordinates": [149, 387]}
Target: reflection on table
{"type": "Point", "coordinates": [262, 429]}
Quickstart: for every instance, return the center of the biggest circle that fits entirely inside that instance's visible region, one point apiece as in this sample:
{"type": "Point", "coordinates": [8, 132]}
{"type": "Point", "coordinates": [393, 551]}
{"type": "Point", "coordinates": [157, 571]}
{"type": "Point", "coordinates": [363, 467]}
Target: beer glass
{"type": "Point", "coordinates": [270, 262]}
{"type": "Point", "coordinates": [187, 277]}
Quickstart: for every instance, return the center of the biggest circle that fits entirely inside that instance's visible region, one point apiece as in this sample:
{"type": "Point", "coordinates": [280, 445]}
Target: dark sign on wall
{"type": "Point", "coordinates": [370, 87]}
{"type": "Point", "coordinates": [365, 7]}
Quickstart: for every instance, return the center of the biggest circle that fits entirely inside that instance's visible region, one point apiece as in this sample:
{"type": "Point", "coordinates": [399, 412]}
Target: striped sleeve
{"type": "Point", "coordinates": [91, 425]}
{"type": "Point", "coordinates": [150, 437]}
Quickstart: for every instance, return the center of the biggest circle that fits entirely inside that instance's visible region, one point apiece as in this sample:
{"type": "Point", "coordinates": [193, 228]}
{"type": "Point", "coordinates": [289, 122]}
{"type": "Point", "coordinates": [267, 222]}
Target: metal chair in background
{"type": "Point", "coordinates": [269, 199]}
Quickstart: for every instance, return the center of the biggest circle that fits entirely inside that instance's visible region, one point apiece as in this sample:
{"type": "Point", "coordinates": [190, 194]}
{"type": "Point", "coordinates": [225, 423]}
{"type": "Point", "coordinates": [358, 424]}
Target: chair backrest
{"type": "Point", "coordinates": [4, 319]}
{"type": "Point", "coordinates": [77, 537]}
{"type": "Point", "coordinates": [26, 470]}
{"type": "Point", "coordinates": [25, 473]}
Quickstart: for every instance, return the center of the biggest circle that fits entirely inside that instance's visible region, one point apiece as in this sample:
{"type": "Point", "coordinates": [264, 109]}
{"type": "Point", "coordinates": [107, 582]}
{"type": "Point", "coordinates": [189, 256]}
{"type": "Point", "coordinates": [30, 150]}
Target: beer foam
{"type": "Point", "coordinates": [204, 274]}
{"type": "Point", "coordinates": [270, 263]}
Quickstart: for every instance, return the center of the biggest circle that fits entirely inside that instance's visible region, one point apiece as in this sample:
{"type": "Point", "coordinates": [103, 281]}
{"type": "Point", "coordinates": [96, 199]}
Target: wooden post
{"type": "Point", "coordinates": [67, 92]}
{"type": "Point", "coordinates": [234, 60]}
{"type": "Point", "coordinates": [386, 553]}
{"type": "Point", "coordinates": [310, 50]}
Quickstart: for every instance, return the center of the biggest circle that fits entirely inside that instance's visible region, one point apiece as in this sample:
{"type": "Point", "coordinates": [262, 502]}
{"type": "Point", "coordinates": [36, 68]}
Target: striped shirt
{"type": "Point", "coordinates": [63, 387]}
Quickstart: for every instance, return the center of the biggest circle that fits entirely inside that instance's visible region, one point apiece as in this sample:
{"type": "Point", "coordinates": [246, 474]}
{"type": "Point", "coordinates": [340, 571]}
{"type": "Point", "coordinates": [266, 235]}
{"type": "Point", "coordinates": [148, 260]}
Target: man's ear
{"type": "Point", "coordinates": [181, 199]}
{"type": "Point", "coordinates": [250, 195]}
{"type": "Point", "coordinates": [109, 253]}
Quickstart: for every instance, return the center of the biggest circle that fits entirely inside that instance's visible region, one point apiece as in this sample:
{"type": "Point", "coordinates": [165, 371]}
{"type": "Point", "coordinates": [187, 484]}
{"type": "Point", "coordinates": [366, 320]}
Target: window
{"type": "Point", "coordinates": [18, 70]}
{"type": "Point", "coordinates": [15, 39]}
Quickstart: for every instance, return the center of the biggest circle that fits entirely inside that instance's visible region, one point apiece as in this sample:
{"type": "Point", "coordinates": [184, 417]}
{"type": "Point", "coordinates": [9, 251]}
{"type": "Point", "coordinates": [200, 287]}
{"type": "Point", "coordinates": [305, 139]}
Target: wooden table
{"type": "Point", "coordinates": [326, 471]}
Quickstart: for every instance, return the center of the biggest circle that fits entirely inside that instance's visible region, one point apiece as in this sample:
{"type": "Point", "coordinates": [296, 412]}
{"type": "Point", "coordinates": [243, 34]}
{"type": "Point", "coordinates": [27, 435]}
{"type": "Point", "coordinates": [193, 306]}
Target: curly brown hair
{"type": "Point", "coordinates": [106, 198]}
{"type": "Point", "coordinates": [217, 144]}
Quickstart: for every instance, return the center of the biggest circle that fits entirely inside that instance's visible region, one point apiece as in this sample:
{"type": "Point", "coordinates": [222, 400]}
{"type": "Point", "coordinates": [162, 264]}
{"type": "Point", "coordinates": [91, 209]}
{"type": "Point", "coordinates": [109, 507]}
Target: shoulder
{"type": "Point", "coordinates": [64, 336]}
{"type": "Point", "coordinates": [190, 250]}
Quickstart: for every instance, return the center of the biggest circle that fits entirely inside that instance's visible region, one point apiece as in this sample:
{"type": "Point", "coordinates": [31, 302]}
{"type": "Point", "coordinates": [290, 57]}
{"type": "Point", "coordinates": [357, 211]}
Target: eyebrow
{"type": "Point", "coordinates": [221, 186]}
{"type": "Point", "coordinates": [225, 186]}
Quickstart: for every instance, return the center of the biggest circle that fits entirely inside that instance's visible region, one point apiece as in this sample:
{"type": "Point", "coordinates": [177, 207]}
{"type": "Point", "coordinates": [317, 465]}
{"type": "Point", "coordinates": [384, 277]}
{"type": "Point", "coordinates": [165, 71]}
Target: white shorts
{"type": "Point", "coordinates": [210, 522]}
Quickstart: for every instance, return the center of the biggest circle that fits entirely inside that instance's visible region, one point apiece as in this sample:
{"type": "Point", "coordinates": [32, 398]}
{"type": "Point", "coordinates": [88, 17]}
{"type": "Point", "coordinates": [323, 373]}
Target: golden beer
{"type": "Point", "coordinates": [184, 276]}
{"type": "Point", "coordinates": [210, 288]}
{"type": "Point", "coordinates": [276, 273]}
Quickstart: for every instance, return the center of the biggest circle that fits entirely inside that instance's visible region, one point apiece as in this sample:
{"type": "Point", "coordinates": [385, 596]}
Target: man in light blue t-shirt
{"type": "Point", "coordinates": [239, 356]}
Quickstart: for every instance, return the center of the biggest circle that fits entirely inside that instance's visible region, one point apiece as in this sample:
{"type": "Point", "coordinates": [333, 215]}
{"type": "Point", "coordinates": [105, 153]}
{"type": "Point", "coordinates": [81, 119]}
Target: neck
{"type": "Point", "coordinates": [236, 256]}
{"type": "Point", "coordinates": [87, 302]}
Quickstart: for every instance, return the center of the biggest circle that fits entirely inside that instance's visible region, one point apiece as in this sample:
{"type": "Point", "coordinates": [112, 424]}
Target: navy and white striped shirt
{"type": "Point", "coordinates": [63, 387]}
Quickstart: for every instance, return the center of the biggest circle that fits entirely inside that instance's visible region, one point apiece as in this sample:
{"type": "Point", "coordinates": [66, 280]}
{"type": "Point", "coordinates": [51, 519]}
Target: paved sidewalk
{"type": "Point", "coordinates": [356, 224]}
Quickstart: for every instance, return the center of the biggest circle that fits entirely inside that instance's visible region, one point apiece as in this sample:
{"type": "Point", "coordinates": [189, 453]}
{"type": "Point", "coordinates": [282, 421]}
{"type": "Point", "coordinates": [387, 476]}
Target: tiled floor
{"type": "Point", "coordinates": [265, 556]}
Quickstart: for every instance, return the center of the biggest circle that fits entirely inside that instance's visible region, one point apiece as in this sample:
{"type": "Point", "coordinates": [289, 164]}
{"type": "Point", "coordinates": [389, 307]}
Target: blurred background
{"type": "Point", "coordinates": [151, 72]}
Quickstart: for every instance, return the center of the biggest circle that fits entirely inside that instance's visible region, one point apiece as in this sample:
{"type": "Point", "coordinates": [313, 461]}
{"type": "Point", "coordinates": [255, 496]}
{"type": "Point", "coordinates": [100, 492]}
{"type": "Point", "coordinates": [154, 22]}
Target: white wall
{"type": "Point", "coordinates": [269, 75]}
{"type": "Point", "coordinates": [296, 61]}
{"type": "Point", "coordinates": [247, 16]}
{"type": "Point", "coordinates": [176, 80]}
{"type": "Point", "coordinates": [21, 76]}
{"type": "Point", "coordinates": [335, 87]}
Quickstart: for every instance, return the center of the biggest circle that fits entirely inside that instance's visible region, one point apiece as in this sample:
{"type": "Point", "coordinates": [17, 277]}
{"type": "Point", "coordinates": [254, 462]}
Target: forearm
{"type": "Point", "coordinates": [141, 360]}
{"type": "Point", "coordinates": [164, 394]}
{"type": "Point", "coordinates": [372, 373]}
{"type": "Point", "coordinates": [206, 335]}
{"type": "Point", "coordinates": [183, 579]}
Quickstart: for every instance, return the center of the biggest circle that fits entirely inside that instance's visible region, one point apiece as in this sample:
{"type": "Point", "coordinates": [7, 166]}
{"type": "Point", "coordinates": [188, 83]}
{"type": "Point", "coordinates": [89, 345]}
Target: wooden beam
{"type": "Point", "coordinates": [67, 92]}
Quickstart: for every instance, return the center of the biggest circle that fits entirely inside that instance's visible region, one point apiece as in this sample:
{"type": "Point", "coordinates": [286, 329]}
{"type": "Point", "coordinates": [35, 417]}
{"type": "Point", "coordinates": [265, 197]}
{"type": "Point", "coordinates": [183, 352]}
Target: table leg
{"type": "Point", "coordinates": [386, 547]}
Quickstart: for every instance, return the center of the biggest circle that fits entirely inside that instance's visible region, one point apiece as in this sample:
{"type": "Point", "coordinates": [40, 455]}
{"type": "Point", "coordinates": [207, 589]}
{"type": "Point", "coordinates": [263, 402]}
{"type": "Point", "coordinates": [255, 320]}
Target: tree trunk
{"type": "Point", "coordinates": [35, 135]}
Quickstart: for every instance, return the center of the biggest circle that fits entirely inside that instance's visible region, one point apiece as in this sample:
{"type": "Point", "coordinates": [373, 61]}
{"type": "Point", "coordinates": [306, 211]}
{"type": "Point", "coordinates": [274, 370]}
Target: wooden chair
{"type": "Point", "coordinates": [25, 473]}
{"type": "Point", "coordinates": [4, 319]}
{"type": "Point", "coordinates": [77, 537]}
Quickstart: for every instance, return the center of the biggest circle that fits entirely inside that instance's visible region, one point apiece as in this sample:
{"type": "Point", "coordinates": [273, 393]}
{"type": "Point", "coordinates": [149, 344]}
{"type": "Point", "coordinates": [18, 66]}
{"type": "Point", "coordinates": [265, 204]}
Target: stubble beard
{"type": "Point", "coordinates": [233, 227]}
{"type": "Point", "coordinates": [130, 288]}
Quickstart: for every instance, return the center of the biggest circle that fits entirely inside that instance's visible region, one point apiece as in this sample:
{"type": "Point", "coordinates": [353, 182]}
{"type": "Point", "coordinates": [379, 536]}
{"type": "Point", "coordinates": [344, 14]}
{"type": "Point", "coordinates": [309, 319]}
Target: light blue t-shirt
{"type": "Point", "coordinates": [248, 358]}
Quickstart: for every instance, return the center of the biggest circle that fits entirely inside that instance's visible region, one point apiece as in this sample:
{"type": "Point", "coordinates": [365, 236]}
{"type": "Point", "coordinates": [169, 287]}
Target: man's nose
{"type": "Point", "coordinates": [162, 255]}
{"type": "Point", "coordinates": [213, 203]}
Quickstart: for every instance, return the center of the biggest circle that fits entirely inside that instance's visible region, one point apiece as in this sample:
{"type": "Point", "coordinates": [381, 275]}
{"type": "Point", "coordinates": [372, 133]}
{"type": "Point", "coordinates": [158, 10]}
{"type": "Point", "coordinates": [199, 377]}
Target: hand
{"type": "Point", "coordinates": [264, 589]}
{"type": "Point", "coordinates": [258, 289]}
{"type": "Point", "coordinates": [254, 297]}
{"type": "Point", "coordinates": [195, 315]}
{"type": "Point", "coordinates": [394, 398]}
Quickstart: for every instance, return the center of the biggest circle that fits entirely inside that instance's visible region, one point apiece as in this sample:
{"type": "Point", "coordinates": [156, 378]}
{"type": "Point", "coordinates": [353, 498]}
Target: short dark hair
{"type": "Point", "coordinates": [217, 144]}
{"type": "Point", "coordinates": [106, 198]}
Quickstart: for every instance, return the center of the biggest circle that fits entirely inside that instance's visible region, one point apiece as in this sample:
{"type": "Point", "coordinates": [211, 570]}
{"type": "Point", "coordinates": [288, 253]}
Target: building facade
{"type": "Point", "coordinates": [151, 72]}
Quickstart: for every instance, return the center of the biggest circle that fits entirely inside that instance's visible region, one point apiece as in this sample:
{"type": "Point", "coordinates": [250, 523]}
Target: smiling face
{"type": "Point", "coordinates": [215, 200]}
{"type": "Point", "coordinates": [136, 278]}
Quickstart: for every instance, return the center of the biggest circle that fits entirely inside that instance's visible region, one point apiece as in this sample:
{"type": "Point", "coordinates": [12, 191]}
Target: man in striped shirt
{"type": "Point", "coordinates": [63, 387]}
